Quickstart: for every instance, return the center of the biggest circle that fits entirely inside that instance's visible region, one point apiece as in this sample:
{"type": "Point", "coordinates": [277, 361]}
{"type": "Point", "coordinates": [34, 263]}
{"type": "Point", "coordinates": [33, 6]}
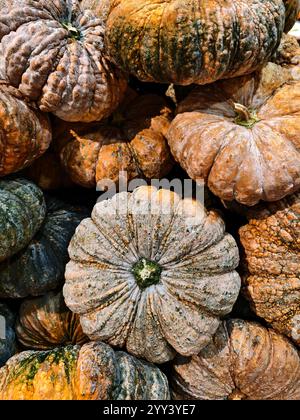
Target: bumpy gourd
{"type": "Point", "coordinates": [53, 52]}
{"type": "Point", "coordinates": [152, 272]}
{"type": "Point", "coordinates": [271, 242]}
{"type": "Point", "coordinates": [241, 135]}
{"type": "Point", "coordinates": [22, 212]}
{"type": "Point", "coordinates": [245, 362]}
{"type": "Point", "coordinates": [39, 266]}
{"type": "Point", "coordinates": [192, 41]}
{"type": "Point", "coordinates": [91, 372]}
{"type": "Point", "coordinates": [45, 323]}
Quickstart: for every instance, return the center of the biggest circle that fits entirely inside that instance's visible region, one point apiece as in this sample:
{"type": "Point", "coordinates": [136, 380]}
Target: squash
{"type": "Point", "coordinates": [53, 52]}
{"type": "Point", "coordinates": [8, 345]}
{"type": "Point", "coordinates": [22, 212]}
{"type": "Point", "coordinates": [45, 323]}
{"type": "Point", "coordinates": [39, 266]}
{"type": "Point", "coordinates": [152, 272]}
{"type": "Point", "coordinates": [271, 241]}
{"type": "Point", "coordinates": [192, 41]}
{"type": "Point", "coordinates": [25, 132]}
{"type": "Point", "coordinates": [292, 12]}
{"type": "Point", "coordinates": [47, 172]}
{"type": "Point", "coordinates": [245, 362]}
{"type": "Point", "coordinates": [91, 372]}
{"type": "Point", "coordinates": [241, 136]}
{"type": "Point", "coordinates": [132, 141]}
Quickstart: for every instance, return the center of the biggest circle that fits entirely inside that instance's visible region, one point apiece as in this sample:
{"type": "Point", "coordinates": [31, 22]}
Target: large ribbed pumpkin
{"type": "Point", "coordinates": [22, 212]}
{"type": "Point", "coordinates": [25, 132]}
{"type": "Point", "coordinates": [242, 135]}
{"type": "Point", "coordinates": [92, 372]}
{"type": "Point", "coordinates": [133, 140]}
{"type": "Point", "coordinates": [272, 279]}
{"type": "Point", "coordinates": [45, 322]}
{"type": "Point", "coordinates": [39, 266]}
{"type": "Point", "coordinates": [8, 346]}
{"type": "Point", "coordinates": [245, 362]}
{"type": "Point", "coordinates": [152, 272]}
{"type": "Point", "coordinates": [192, 41]}
{"type": "Point", "coordinates": [53, 52]}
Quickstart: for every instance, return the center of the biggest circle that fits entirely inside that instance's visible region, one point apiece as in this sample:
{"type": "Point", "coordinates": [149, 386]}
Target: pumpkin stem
{"type": "Point", "coordinates": [74, 33]}
{"type": "Point", "coordinates": [245, 117]}
{"type": "Point", "coordinates": [146, 273]}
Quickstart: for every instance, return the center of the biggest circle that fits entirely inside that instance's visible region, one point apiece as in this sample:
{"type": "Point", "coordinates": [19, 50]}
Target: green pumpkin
{"type": "Point", "coordinates": [8, 345]}
{"type": "Point", "coordinates": [22, 211]}
{"type": "Point", "coordinates": [39, 266]}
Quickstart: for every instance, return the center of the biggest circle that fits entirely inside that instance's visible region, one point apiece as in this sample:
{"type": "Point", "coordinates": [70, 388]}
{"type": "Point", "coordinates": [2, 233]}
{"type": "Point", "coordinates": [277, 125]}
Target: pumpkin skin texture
{"type": "Point", "coordinates": [292, 12]}
{"type": "Point", "coordinates": [53, 52]}
{"type": "Point", "coordinates": [39, 267]}
{"type": "Point", "coordinates": [92, 372]}
{"type": "Point", "coordinates": [22, 212]}
{"type": "Point", "coordinates": [153, 273]}
{"type": "Point", "coordinates": [25, 132]}
{"type": "Point", "coordinates": [133, 141]}
{"type": "Point", "coordinates": [192, 41]}
{"type": "Point", "coordinates": [241, 136]}
{"type": "Point", "coordinates": [271, 241]}
{"type": "Point", "coordinates": [245, 361]}
{"type": "Point", "coordinates": [45, 323]}
{"type": "Point", "coordinates": [8, 346]}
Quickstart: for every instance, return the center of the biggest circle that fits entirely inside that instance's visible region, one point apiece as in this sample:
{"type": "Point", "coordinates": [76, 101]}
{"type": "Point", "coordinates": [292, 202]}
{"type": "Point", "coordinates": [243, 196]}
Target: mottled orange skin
{"type": "Point", "coordinates": [45, 322]}
{"type": "Point", "coordinates": [245, 361]}
{"type": "Point", "coordinates": [25, 133]}
{"type": "Point", "coordinates": [271, 242]}
{"type": "Point", "coordinates": [133, 141]}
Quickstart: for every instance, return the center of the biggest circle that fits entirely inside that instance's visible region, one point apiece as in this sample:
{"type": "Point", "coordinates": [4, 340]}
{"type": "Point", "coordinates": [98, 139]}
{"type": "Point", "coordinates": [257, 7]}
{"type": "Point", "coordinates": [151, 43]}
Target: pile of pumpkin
{"type": "Point", "coordinates": [147, 294]}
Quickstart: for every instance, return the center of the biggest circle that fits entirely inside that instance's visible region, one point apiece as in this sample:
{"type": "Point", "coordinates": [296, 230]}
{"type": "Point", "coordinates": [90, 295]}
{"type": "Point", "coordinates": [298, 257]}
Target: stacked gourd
{"type": "Point", "coordinates": [93, 89]}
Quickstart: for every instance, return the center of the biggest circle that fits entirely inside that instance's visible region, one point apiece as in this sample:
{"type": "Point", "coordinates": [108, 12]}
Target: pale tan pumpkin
{"type": "Point", "coordinates": [153, 273]}
{"type": "Point", "coordinates": [241, 136]}
{"type": "Point", "coordinates": [271, 242]}
{"type": "Point", "coordinates": [245, 361]}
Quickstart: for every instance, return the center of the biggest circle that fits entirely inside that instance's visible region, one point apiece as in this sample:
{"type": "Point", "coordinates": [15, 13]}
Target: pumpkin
{"type": "Point", "coordinates": [25, 132]}
{"type": "Point", "coordinates": [244, 362]}
{"type": "Point", "coordinates": [47, 172]}
{"type": "Point", "coordinates": [132, 141]}
{"type": "Point", "coordinates": [241, 136]}
{"type": "Point", "coordinates": [152, 272]}
{"type": "Point", "coordinates": [271, 241]}
{"type": "Point", "coordinates": [292, 12]}
{"type": "Point", "coordinates": [45, 323]}
{"type": "Point", "coordinates": [39, 266]}
{"type": "Point", "coordinates": [91, 372]}
{"type": "Point", "coordinates": [8, 346]}
{"type": "Point", "coordinates": [53, 52]}
{"type": "Point", "coordinates": [192, 41]}
{"type": "Point", "coordinates": [22, 212]}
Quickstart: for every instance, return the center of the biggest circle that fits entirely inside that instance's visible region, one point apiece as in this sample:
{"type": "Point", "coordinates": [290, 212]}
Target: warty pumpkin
{"type": "Point", "coordinates": [242, 136]}
{"type": "Point", "coordinates": [91, 372]}
{"type": "Point", "coordinates": [271, 241]}
{"type": "Point", "coordinates": [8, 345]}
{"type": "Point", "coordinates": [45, 323]}
{"type": "Point", "coordinates": [245, 361]}
{"type": "Point", "coordinates": [152, 272]}
{"type": "Point", "coordinates": [25, 132]}
{"type": "Point", "coordinates": [39, 266]}
{"type": "Point", "coordinates": [192, 41]}
{"type": "Point", "coordinates": [292, 12]}
{"type": "Point", "coordinates": [22, 212]}
{"type": "Point", "coordinates": [133, 140]}
{"type": "Point", "coordinates": [53, 52]}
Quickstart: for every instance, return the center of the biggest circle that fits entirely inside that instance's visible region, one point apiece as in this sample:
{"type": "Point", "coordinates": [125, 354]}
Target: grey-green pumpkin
{"type": "Point", "coordinates": [8, 346]}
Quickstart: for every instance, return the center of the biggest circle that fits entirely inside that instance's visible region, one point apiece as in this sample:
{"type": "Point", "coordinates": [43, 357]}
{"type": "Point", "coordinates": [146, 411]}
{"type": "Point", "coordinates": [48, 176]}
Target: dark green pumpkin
{"type": "Point", "coordinates": [8, 345]}
{"type": "Point", "coordinates": [39, 267]}
{"type": "Point", "coordinates": [22, 211]}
